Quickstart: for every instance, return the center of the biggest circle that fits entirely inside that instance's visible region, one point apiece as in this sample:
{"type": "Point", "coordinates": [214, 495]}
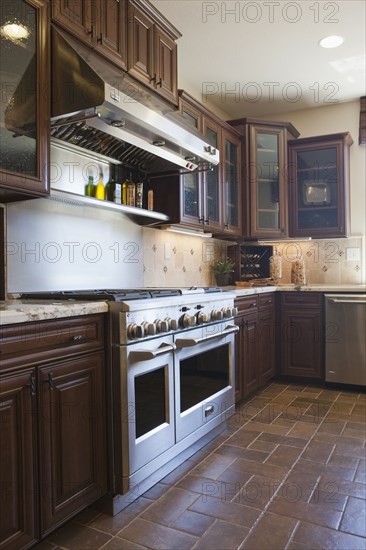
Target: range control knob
{"type": "Point", "coordinates": [234, 311]}
{"type": "Point", "coordinates": [216, 315]}
{"type": "Point", "coordinates": [172, 323]}
{"type": "Point", "coordinates": [188, 320]}
{"type": "Point", "coordinates": [202, 318]}
{"type": "Point", "coordinates": [135, 331]}
{"type": "Point", "coordinates": [149, 328]}
{"type": "Point", "coordinates": [227, 312]}
{"type": "Point", "coordinates": [161, 326]}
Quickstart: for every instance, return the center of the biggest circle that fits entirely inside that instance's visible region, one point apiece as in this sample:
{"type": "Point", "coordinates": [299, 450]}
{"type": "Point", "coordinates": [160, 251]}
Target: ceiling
{"type": "Point", "coordinates": [257, 58]}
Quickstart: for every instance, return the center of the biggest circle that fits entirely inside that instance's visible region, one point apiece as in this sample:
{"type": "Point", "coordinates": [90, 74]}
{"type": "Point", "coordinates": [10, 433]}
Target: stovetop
{"type": "Point", "coordinates": [117, 295]}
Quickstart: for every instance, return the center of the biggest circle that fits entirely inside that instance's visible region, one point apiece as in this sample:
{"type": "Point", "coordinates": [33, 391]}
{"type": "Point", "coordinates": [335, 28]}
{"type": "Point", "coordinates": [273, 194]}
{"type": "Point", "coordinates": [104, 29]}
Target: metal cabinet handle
{"type": "Point", "coordinates": [209, 410]}
{"type": "Point", "coordinates": [78, 338]}
{"type": "Point", "coordinates": [32, 385]}
{"type": "Point", "coordinates": [50, 382]}
{"type": "Point", "coordinates": [159, 83]}
{"type": "Point", "coordinates": [91, 32]}
{"type": "Point", "coordinates": [190, 342]}
{"type": "Point", "coordinates": [152, 78]}
{"type": "Point", "coordinates": [100, 39]}
{"type": "Point", "coordinates": [147, 355]}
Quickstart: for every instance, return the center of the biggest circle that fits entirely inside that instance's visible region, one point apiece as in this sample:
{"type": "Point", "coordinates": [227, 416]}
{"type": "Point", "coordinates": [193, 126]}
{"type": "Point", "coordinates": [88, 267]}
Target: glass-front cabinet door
{"type": "Point", "coordinates": [319, 186]}
{"type": "Point", "coordinates": [191, 208]}
{"type": "Point", "coordinates": [211, 180]}
{"type": "Point", "coordinates": [266, 172]}
{"type": "Point", "coordinates": [230, 162]}
{"type": "Point", "coordinates": [24, 109]}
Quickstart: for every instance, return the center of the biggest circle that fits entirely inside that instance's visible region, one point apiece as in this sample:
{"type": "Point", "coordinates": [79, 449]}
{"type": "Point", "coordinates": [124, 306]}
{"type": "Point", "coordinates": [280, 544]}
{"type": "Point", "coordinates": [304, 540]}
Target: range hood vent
{"type": "Point", "coordinates": [99, 108]}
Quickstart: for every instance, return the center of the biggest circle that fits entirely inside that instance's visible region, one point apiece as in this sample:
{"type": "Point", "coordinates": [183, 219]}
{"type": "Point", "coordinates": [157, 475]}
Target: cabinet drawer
{"type": "Point", "coordinates": [266, 300]}
{"type": "Point", "coordinates": [247, 303]}
{"type": "Point", "coordinates": [30, 343]}
{"type": "Point", "coordinates": [307, 298]}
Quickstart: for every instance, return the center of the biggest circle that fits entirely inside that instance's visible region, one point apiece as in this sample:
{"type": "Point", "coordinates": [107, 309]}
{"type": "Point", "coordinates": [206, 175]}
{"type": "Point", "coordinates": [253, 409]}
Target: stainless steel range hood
{"type": "Point", "coordinates": [99, 107]}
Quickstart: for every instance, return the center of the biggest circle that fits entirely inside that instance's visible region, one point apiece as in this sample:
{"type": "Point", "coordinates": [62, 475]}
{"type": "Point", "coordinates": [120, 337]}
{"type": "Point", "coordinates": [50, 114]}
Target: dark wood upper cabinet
{"type": "Point", "coordinates": [18, 477]}
{"type": "Point", "coordinates": [265, 176]}
{"type": "Point", "coordinates": [101, 24]}
{"type": "Point", "coordinates": [152, 51]}
{"type": "Point", "coordinates": [231, 178]}
{"type": "Point", "coordinates": [319, 186]}
{"type": "Point", "coordinates": [24, 120]}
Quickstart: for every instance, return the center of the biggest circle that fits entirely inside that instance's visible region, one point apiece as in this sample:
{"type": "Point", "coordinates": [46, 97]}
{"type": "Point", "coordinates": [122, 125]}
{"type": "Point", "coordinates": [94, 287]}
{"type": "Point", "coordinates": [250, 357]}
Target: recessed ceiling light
{"type": "Point", "coordinates": [14, 31]}
{"type": "Point", "coordinates": [332, 41]}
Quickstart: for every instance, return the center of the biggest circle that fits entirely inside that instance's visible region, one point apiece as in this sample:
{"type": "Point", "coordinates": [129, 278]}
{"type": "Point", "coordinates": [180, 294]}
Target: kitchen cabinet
{"type": "Point", "coordinates": [101, 24]}
{"type": "Point", "coordinates": [210, 199]}
{"type": "Point", "coordinates": [152, 49]}
{"type": "Point", "coordinates": [24, 118]}
{"type": "Point", "coordinates": [255, 343]}
{"type": "Point", "coordinates": [265, 176]}
{"type": "Point", "coordinates": [319, 186]}
{"type": "Point", "coordinates": [52, 424]}
{"type": "Point", "coordinates": [302, 338]}
{"type": "Point", "coordinates": [18, 458]}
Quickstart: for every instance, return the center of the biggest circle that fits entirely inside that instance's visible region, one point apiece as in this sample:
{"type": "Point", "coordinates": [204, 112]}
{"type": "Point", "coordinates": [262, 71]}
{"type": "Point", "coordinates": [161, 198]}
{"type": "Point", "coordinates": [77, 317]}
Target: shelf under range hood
{"type": "Point", "coordinates": [138, 215]}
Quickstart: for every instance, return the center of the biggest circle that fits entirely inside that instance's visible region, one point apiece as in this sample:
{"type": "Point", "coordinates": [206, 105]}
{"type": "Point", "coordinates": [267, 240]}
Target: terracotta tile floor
{"type": "Point", "coordinates": [288, 473]}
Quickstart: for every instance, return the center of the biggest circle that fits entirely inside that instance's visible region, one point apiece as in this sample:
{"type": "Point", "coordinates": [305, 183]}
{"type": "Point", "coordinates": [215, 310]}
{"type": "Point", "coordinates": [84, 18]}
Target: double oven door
{"type": "Point", "coordinates": [171, 387]}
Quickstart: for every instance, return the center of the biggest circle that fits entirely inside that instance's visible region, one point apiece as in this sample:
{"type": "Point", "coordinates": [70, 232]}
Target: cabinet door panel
{"type": "Point", "coordinates": [302, 343]}
{"type": "Point", "coordinates": [250, 354]}
{"type": "Point", "coordinates": [140, 45]}
{"type": "Point", "coordinates": [18, 478]}
{"type": "Point", "coordinates": [166, 66]}
{"type": "Point", "coordinates": [231, 178]}
{"type": "Point", "coordinates": [266, 345]}
{"type": "Point", "coordinates": [78, 16]}
{"type": "Point", "coordinates": [239, 360]}
{"type": "Point", "coordinates": [72, 437]}
{"type": "Point", "coordinates": [112, 32]}
{"type": "Point", "coordinates": [24, 118]}
{"type": "Point", "coordinates": [212, 188]}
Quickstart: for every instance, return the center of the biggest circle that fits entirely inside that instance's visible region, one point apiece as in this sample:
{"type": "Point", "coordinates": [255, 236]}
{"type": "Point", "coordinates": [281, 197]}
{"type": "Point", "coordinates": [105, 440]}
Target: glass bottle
{"type": "Point", "coordinates": [100, 190]}
{"type": "Point", "coordinates": [109, 190]}
{"type": "Point", "coordinates": [89, 188]}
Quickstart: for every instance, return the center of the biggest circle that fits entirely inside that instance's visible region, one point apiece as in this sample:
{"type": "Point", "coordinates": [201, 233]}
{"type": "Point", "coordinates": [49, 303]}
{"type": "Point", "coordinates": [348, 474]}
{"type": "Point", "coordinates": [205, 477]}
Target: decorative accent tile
{"type": "Point", "coordinates": [357, 268]}
{"type": "Point", "coordinates": [154, 247]}
{"type": "Point", "coordinates": [200, 269]}
{"type": "Point", "coordinates": [324, 268]}
{"type": "Point", "coordinates": [174, 250]}
{"type": "Point", "coordinates": [165, 269]}
{"type": "Point", "coordinates": [340, 253]}
{"type": "Point", "coordinates": [309, 253]}
{"type": "Point", "coordinates": [192, 251]}
{"type": "Point", "coordinates": [184, 269]}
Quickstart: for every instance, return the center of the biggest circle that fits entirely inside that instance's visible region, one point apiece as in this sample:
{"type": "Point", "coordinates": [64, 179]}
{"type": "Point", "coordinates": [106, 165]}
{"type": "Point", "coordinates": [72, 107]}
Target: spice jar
{"type": "Point", "coordinates": [298, 272]}
{"type": "Point", "coordinates": [275, 267]}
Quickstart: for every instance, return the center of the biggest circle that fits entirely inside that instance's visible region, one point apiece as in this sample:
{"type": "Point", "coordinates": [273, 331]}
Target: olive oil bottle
{"type": "Point", "coordinates": [100, 190]}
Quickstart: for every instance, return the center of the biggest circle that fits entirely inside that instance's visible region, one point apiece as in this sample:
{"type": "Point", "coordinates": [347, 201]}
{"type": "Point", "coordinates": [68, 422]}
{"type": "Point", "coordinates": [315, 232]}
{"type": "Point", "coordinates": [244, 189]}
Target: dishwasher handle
{"type": "Point", "coordinates": [346, 301]}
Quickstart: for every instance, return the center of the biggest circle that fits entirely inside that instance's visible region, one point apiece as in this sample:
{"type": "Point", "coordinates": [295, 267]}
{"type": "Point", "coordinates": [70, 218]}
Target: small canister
{"type": "Point", "coordinates": [139, 194]}
{"type": "Point", "coordinates": [298, 272]}
{"type": "Point", "coordinates": [275, 267]}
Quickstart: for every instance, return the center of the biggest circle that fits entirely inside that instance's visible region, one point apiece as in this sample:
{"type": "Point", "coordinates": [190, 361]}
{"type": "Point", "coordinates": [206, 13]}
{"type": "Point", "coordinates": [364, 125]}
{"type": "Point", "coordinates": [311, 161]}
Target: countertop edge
{"type": "Point", "coordinates": [15, 312]}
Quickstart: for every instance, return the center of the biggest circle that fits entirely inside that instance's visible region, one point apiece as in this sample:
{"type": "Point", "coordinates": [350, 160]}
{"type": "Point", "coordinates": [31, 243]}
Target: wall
{"type": "Point", "coordinates": [179, 260]}
{"type": "Point", "coordinates": [59, 246]}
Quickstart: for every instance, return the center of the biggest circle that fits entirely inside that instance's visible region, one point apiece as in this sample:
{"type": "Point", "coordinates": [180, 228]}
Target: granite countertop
{"type": "Point", "coordinates": [24, 311]}
{"type": "Point", "coordinates": [244, 291]}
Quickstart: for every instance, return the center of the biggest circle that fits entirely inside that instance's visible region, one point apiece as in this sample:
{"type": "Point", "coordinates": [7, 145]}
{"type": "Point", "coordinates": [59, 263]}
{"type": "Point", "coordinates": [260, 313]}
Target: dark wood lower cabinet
{"type": "Point", "coordinates": [255, 344]}
{"type": "Point", "coordinates": [18, 479]}
{"type": "Point", "coordinates": [72, 438]}
{"type": "Point", "coordinates": [52, 426]}
{"type": "Point", "coordinates": [302, 340]}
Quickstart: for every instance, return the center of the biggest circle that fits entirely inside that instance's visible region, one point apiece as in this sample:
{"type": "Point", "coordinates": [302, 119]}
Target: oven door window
{"type": "Point", "coordinates": [150, 406]}
{"type": "Point", "coordinates": [203, 375]}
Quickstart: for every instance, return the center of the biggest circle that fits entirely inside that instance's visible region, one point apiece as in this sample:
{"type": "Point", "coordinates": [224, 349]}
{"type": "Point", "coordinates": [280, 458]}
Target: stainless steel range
{"type": "Point", "coordinates": [171, 379]}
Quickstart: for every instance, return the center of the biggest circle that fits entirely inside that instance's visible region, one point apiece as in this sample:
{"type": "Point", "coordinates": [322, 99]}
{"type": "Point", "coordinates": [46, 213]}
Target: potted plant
{"type": "Point", "coordinates": [222, 269]}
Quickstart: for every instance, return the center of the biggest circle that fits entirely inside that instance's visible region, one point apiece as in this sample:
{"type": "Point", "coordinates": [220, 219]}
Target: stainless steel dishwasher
{"type": "Point", "coordinates": [345, 329]}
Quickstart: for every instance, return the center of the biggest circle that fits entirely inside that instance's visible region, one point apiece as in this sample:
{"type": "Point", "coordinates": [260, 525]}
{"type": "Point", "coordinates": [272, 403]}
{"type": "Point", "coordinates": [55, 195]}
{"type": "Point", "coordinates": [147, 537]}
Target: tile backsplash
{"type": "Point", "coordinates": [179, 260]}
{"type": "Point", "coordinates": [327, 261]}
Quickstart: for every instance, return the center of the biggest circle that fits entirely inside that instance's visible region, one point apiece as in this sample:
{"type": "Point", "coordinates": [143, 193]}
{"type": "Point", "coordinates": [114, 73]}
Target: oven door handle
{"type": "Point", "coordinates": [190, 342]}
{"type": "Point", "coordinates": [148, 354]}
